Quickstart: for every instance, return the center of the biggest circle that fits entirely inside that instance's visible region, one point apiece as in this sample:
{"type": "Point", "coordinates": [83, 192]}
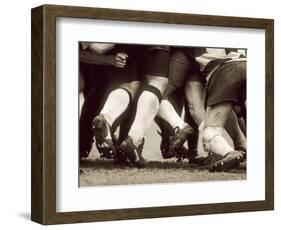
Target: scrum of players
{"type": "Point", "coordinates": [128, 87]}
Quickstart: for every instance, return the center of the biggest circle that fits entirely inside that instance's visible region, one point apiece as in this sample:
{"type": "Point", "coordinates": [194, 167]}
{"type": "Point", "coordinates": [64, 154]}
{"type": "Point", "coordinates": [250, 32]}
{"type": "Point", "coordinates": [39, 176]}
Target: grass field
{"type": "Point", "coordinates": [103, 172]}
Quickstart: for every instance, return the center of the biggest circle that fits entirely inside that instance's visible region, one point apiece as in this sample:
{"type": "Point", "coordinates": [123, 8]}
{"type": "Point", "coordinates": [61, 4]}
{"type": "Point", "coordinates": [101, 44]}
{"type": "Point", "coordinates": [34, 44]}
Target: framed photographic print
{"type": "Point", "coordinates": [140, 114]}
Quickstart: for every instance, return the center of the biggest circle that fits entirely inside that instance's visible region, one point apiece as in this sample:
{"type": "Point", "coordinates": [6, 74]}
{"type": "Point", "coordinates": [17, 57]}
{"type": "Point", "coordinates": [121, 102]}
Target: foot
{"type": "Point", "coordinates": [102, 134]}
{"type": "Point", "coordinates": [133, 153]}
{"type": "Point", "coordinates": [229, 161]}
{"type": "Point", "coordinates": [243, 150]}
{"type": "Point", "coordinates": [179, 153]}
{"type": "Point", "coordinates": [240, 148]}
{"type": "Point", "coordinates": [120, 158]}
{"type": "Point", "coordinates": [183, 153]}
{"type": "Point", "coordinates": [180, 137]}
{"type": "Point", "coordinates": [165, 145]}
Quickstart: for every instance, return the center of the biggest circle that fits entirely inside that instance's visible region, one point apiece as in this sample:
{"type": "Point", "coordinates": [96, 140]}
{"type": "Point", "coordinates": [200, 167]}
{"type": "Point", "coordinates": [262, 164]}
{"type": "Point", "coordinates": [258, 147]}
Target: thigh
{"type": "Point", "coordinates": [179, 67]}
{"type": "Point", "coordinates": [156, 62]}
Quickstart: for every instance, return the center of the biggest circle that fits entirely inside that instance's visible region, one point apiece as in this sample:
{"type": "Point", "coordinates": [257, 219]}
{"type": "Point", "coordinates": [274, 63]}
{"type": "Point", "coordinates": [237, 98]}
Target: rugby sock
{"type": "Point", "coordinates": [147, 108]}
{"type": "Point", "coordinates": [167, 112]}
{"type": "Point", "coordinates": [214, 142]}
{"type": "Point", "coordinates": [116, 103]}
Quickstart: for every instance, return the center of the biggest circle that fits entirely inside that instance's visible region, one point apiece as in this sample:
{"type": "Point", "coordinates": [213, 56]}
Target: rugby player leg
{"type": "Point", "coordinates": [179, 68]}
{"type": "Point", "coordinates": [195, 111]}
{"type": "Point", "coordinates": [148, 104]}
{"type": "Point", "coordinates": [117, 102]}
{"type": "Point", "coordinates": [93, 100]}
{"type": "Point", "coordinates": [167, 132]}
{"type": "Point", "coordinates": [125, 120]}
{"type": "Point", "coordinates": [195, 96]}
{"type": "Point", "coordinates": [220, 100]}
{"type": "Point", "coordinates": [213, 140]}
{"type": "Point", "coordinates": [172, 95]}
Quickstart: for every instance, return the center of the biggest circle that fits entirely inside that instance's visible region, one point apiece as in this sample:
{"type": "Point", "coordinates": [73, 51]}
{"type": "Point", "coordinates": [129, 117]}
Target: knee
{"type": "Point", "coordinates": [162, 86]}
{"type": "Point", "coordinates": [132, 88]}
{"type": "Point", "coordinates": [155, 91]}
{"type": "Point", "coordinates": [158, 82]}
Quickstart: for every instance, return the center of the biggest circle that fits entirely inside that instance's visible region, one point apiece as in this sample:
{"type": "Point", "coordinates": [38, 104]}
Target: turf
{"type": "Point", "coordinates": [103, 172]}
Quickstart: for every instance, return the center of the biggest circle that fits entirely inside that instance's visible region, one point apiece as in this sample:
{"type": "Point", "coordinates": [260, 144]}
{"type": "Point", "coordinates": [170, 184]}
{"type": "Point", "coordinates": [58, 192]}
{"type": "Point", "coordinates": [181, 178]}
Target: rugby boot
{"type": "Point", "coordinates": [180, 137]}
{"type": "Point", "coordinates": [102, 134]}
{"type": "Point", "coordinates": [165, 145]}
{"type": "Point", "coordinates": [229, 161]}
{"type": "Point", "coordinates": [133, 153]}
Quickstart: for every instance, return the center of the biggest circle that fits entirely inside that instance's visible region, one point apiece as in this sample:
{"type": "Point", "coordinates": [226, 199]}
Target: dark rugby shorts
{"type": "Point", "coordinates": [183, 69]}
{"type": "Point", "coordinates": [155, 60]}
{"type": "Point", "coordinates": [227, 84]}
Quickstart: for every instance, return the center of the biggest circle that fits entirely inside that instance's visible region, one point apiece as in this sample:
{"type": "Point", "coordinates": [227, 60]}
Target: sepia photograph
{"type": "Point", "coordinates": [159, 114]}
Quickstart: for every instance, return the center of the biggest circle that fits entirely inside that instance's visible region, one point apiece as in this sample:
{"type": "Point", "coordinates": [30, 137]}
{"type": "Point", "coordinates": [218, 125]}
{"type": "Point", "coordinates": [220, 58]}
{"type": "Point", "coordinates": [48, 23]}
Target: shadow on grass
{"type": "Point", "coordinates": [105, 164]}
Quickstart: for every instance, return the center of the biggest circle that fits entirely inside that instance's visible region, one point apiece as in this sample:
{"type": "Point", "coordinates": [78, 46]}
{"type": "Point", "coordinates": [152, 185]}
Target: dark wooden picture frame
{"type": "Point", "coordinates": [43, 207]}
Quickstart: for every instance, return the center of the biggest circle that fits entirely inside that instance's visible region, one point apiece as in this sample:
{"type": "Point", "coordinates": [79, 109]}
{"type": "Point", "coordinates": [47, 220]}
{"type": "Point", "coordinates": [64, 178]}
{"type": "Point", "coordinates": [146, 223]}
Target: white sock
{"type": "Point", "coordinates": [167, 112]}
{"type": "Point", "coordinates": [214, 142]}
{"type": "Point", "coordinates": [147, 109]}
{"type": "Point", "coordinates": [116, 103]}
